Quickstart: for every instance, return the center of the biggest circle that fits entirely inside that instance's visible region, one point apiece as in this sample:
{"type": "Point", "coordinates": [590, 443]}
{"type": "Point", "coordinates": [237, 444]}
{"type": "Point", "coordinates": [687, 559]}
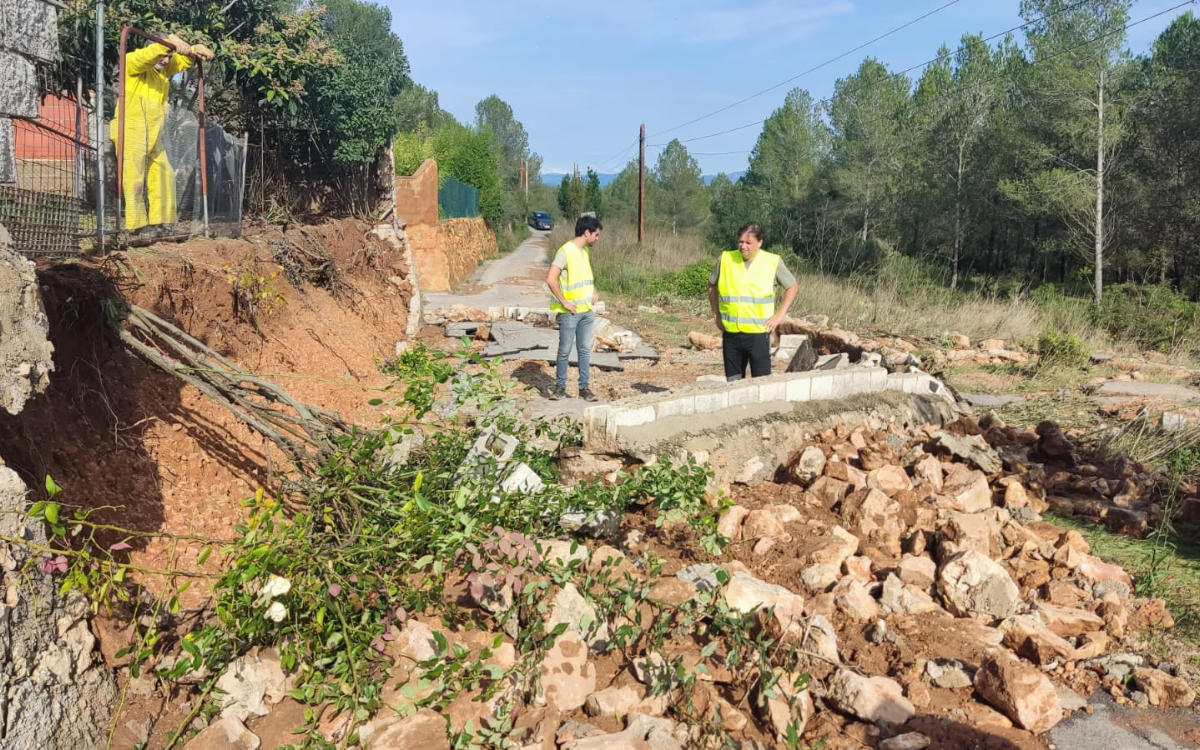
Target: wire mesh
{"type": "Point", "coordinates": [44, 204]}
{"type": "Point", "coordinates": [457, 200]}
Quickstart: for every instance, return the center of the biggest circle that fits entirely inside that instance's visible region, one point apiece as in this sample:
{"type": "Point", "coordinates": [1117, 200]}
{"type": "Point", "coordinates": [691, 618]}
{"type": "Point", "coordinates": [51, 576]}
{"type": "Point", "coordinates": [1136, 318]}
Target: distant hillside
{"type": "Point", "coordinates": [554, 179]}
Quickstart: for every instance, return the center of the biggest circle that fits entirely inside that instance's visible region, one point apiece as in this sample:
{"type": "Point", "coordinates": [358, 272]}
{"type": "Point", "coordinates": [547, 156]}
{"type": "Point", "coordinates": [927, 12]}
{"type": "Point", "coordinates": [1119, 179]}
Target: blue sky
{"type": "Point", "coordinates": [582, 77]}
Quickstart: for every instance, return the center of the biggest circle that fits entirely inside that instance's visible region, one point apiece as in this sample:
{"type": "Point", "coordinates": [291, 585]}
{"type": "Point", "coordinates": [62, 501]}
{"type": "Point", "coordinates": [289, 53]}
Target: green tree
{"type": "Point", "coordinates": [470, 155]}
{"type": "Point", "coordinates": [593, 197]}
{"type": "Point", "coordinates": [570, 197]}
{"type": "Point", "coordinates": [620, 197]}
{"type": "Point", "coordinates": [1079, 61]}
{"type": "Point", "coordinates": [869, 114]}
{"type": "Point", "coordinates": [681, 200]}
{"type": "Point", "coordinates": [787, 167]}
{"type": "Point", "coordinates": [954, 104]}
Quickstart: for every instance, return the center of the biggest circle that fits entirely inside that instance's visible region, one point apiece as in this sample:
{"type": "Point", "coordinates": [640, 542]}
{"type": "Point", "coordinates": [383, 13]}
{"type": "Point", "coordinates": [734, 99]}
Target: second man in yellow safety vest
{"type": "Point", "coordinates": [741, 295]}
{"type": "Point", "coordinates": [570, 281]}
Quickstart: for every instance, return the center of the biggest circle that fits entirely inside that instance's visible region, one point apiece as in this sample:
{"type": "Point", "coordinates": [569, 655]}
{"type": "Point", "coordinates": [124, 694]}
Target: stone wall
{"type": "Point", "coordinates": [28, 32]}
{"type": "Point", "coordinates": [446, 251]}
{"type": "Point", "coordinates": [55, 692]}
{"type": "Point", "coordinates": [417, 196]}
{"type": "Point", "coordinates": [25, 352]}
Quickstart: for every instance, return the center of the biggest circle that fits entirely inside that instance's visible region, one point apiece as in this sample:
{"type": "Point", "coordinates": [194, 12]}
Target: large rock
{"type": "Point", "coordinates": [251, 684]}
{"type": "Point", "coordinates": [1029, 637]}
{"type": "Point", "coordinates": [745, 593]}
{"type": "Point", "coordinates": [228, 733]}
{"type": "Point", "coordinates": [1163, 690]}
{"type": "Point", "coordinates": [25, 349]}
{"type": "Point", "coordinates": [569, 607]}
{"type": "Point", "coordinates": [567, 677]}
{"type": "Point", "coordinates": [973, 584]}
{"type": "Point", "coordinates": [787, 704]}
{"type": "Point", "coordinates": [1019, 690]}
{"type": "Point", "coordinates": [426, 729]}
{"type": "Point", "coordinates": [965, 490]}
{"type": "Point", "coordinates": [869, 698]}
{"type": "Point", "coordinates": [807, 466]}
{"type": "Point", "coordinates": [971, 448]}
{"type": "Point", "coordinates": [1068, 622]}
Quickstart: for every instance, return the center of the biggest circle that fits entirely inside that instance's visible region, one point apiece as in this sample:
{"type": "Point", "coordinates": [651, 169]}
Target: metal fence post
{"type": "Point", "coordinates": [99, 126]}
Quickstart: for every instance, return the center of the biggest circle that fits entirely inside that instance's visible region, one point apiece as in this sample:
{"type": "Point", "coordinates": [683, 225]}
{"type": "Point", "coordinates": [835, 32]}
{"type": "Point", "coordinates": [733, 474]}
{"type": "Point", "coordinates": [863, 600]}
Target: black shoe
{"type": "Point", "coordinates": [587, 395]}
{"type": "Point", "coordinates": [556, 394]}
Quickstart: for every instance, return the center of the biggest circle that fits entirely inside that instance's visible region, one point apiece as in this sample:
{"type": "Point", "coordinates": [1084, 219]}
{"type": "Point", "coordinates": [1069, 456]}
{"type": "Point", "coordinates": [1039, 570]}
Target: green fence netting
{"type": "Point", "coordinates": [457, 200]}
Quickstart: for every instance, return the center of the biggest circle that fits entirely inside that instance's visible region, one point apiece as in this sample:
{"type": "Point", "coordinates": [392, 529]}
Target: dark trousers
{"type": "Point", "coordinates": [740, 349]}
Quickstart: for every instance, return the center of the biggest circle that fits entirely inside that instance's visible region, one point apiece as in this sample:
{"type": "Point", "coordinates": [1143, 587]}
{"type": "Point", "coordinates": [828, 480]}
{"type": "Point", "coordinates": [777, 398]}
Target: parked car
{"type": "Point", "coordinates": [541, 220]}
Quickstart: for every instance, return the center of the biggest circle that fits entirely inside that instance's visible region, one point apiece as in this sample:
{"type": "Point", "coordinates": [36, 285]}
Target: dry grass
{"type": "Point", "coordinates": [896, 305]}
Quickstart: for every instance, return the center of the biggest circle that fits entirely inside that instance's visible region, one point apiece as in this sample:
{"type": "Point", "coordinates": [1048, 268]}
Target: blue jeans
{"type": "Point", "coordinates": [575, 328]}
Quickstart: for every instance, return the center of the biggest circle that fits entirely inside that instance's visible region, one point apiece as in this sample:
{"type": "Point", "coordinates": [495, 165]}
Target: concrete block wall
{"type": "Point", "coordinates": [603, 423]}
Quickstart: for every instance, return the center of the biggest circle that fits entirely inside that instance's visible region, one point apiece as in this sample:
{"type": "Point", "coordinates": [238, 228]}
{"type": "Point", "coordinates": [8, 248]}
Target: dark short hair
{"type": "Point", "coordinates": [587, 224]}
{"type": "Point", "coordinates": [755, 229]}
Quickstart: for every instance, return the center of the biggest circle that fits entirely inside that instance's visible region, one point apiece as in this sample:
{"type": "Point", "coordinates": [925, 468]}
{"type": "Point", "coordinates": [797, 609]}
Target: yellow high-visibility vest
{"type": "Point", "coordinates": [575, 280]}
{"type": "Point", "coordinates": [747, 296]}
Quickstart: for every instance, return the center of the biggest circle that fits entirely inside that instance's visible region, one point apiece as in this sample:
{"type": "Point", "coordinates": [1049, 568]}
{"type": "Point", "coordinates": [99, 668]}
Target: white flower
{"type": "Point", "coordinates": [276, 612]}
{"type": "Point", "coordinates": [275, 586]}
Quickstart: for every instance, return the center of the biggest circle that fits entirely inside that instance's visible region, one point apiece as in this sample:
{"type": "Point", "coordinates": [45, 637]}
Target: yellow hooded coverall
{"type": "Point", "coordinates": [146, 176]}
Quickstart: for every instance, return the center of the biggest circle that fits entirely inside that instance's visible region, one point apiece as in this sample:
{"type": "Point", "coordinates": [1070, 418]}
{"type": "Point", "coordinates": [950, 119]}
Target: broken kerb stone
{"type": "Point", "coordinates": [522, 479]}
{"type": "Point", "coordinates": [596, 524]}
{"type": "Point", "coordinates": [491, 451]}
{"type": "Point", "coordinates": [833, 361]}
{"type": "Point", "coordinates": [458, 330]}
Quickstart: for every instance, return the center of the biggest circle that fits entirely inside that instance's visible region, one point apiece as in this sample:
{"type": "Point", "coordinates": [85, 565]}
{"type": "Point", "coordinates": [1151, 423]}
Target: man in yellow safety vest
{"type": "Point", "coordinates": [741, 295]}
{"type": "Point", "coordinates": [570, 281]}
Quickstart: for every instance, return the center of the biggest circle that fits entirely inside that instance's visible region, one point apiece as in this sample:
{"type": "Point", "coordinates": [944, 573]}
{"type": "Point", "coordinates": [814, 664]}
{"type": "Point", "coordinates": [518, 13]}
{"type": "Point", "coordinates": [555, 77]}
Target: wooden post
{"type": "Point", "coordinates": [642, 183]}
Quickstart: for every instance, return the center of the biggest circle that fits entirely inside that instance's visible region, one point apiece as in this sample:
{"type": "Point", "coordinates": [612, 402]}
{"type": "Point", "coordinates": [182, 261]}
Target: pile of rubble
{"type": "Point", "coordinates": [912, 572]}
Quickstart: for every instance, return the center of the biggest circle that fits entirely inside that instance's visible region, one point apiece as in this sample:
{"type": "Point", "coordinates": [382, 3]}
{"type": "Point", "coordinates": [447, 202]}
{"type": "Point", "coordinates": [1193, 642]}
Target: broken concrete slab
{"type": "Point", "coordinates": [458, 330]}
{"type": "Point", "coordinates": [642, 352]}
{"type": "Point", "coordinates": [833, 361]}
{"type": "Point", "coordinates": [603, 360]}
{"type": "Point", "coordinates": [1143, 389]}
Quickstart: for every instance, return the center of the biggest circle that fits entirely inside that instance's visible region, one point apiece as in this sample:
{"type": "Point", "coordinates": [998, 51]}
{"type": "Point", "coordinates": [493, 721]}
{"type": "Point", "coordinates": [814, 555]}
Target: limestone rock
{"type": "Point", "coordinates": [970, 448]}
{"type": "Point", "coordinates": [972, 584]}
{"type": "Point", "coordinates": [730, 523]}
{"type": "Point", "coordinates": [745, 593]}
{"type": "Point", "coordinates": [869, 698]}
{"type": "Point", "coordinates": [907, 741]}
{"type": "Point", "coordinates": [251, 684]}
{"type": "Point", "coordinates": [1019, 690]}
{"type": "Point", "coordinates": [790, 704]}
{"type": "Point", "coordinates": [917, 570]}
{"type": "Point", "coordinates": [1029, 637]}
{"type": "Point", "coordinates": [1164, 690]}
{"type": "Point", "coordinates": [1068, 622]}
{"type": "Point", "coordinates": [228, 733]}
{"type": "Point", "coordinates": [762, 524]}
{"type": "Point", "coordinates": [571, 608]}
{"type": "Point", "coordinates": [425, 729]}
{"type": "Point", "coordinates": [891, 480]}
{"type": "Point", "coordinates": [567, 677]}
{"type": "Point", "coordinates": [966, 490]}
{"type": "Point", "coordinates": [948, 675]}
{"type": "Point", "coordinates": [807, 467]}
{"type": "Point", "coordinates": [613, 701]}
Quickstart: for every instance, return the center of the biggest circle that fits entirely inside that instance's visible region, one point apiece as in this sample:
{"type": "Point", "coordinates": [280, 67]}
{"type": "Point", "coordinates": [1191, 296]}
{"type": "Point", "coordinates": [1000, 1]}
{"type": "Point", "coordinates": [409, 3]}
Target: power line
{"type": "Point", "coordinates": [926, 64]}
{"type": "Point", "coordinates": [810, 70]}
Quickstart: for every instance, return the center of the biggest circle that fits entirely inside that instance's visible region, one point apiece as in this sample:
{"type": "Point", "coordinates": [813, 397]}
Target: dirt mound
{"type": "Point", "coordinates": [150, 454]}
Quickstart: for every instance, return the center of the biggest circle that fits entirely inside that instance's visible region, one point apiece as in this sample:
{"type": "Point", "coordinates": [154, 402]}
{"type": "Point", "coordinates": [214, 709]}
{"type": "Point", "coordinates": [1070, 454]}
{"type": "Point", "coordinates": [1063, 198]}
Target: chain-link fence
{"type": "Point", "coordinates": [140, 165]}
{"type": "Point", "coordinates": [457, 200]}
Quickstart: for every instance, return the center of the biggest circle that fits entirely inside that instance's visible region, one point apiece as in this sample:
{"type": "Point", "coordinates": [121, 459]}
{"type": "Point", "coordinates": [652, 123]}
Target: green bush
{"type": "Point", "coordinates": [1153, 317]}
{"type": "Point", "coordinates": [1062, 348]}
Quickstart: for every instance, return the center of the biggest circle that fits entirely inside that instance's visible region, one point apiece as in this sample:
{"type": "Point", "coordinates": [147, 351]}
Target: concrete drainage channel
{"type": "Point", "coordinates": [747, 429]}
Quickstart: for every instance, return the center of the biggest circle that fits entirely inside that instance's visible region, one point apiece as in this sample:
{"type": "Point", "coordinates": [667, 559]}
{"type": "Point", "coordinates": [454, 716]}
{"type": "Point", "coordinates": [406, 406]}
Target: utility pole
{"type": "Point", "coordinates": [641, 183]}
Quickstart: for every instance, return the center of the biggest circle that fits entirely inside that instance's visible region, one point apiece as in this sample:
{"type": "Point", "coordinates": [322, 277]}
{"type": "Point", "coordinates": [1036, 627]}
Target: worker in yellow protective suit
{"type": "Point", "coordinates": [147, 180]}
